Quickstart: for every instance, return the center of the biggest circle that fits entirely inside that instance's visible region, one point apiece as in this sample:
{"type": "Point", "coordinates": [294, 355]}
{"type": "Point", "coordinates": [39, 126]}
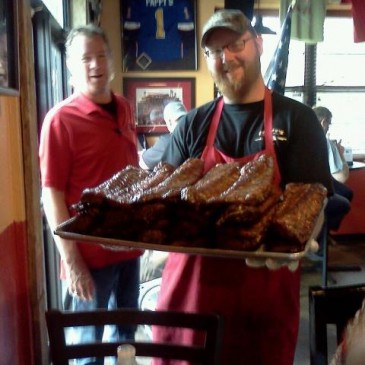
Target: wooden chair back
{"type": "Point", "coordinates": [61, 352]}
{"type": "Point", "coordinates": [330, 305]}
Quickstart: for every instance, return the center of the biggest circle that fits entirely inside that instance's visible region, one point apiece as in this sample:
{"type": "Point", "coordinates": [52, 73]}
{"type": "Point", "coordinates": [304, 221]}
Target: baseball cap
{"type": "Point", "coordinates": [232, 19]}
{"type": "Point", "coordinates": [174, 110]}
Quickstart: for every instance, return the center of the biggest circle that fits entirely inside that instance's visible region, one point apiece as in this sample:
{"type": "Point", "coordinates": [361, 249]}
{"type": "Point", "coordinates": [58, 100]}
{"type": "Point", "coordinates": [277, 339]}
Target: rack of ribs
{"type": "Point", "coordinates": [231, 206]}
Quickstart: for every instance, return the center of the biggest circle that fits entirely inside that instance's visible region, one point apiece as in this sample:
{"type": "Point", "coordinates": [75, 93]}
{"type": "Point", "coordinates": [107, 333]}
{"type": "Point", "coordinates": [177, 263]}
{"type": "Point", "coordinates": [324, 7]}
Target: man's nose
{"type": "Point", "coordinates": [94, 62]}
{"type": "Point", "coordinates": [226, 54]}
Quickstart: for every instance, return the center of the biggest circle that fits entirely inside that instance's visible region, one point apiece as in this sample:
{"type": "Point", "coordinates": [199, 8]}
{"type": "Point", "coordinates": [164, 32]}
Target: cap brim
{"type": "Point", "coordinates": [206, 35]}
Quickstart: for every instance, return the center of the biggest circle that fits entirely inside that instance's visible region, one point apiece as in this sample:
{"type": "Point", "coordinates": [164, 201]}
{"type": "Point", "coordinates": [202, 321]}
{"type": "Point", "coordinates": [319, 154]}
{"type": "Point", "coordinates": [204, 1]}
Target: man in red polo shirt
{"type": "Point", "coordinates": [86, 139]}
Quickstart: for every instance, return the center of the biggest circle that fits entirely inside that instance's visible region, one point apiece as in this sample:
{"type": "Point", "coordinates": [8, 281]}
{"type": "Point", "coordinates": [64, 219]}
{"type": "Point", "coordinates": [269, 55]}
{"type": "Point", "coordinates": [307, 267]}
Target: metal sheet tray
{"type": "Point", "coordinates": [63, 230]}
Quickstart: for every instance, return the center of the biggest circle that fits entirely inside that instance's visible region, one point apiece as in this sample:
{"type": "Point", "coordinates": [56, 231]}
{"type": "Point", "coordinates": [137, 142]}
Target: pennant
{"type": "Point", "coordinates": [358, 15]}
{"type": "Point", "coordinates": [275, 75]}
{"type": "Point", "coordinates": [307, 19]}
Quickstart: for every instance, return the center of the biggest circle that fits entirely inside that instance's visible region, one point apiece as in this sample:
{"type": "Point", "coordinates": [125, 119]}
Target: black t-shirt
{"type": "Point", "coordinates": [300, 143]}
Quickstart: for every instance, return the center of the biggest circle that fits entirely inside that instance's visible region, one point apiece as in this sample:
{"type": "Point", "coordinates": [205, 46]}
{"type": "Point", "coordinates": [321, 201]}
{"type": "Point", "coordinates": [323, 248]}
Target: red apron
{"type": "Point", "coordinates": [260, 307]}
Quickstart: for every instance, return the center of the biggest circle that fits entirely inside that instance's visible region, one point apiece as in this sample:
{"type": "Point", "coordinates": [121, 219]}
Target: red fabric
{"type": "Point", "coordinates": [81, 146]}
{"type": "Point", "coordinates": [72, 145]}
{"type": "Point", "coordinates": [260, 307]}
{"type": "Point", "coordinates": [16, 333]}
{"type": "Point", "coordinates": [358, 15]}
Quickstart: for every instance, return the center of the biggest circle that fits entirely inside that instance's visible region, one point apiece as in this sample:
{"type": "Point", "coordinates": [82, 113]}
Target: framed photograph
{"type": "Point", "coordinates": [8, 47]}
{"type": "Point", "coordinates": [149, 96]}
{"type": "Point", "coordinates": [158, 35]}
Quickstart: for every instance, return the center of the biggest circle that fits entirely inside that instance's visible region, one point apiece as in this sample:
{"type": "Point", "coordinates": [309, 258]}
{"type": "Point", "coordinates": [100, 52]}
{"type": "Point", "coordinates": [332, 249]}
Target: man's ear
{"type": "Point", "coordinates": [259, 43]}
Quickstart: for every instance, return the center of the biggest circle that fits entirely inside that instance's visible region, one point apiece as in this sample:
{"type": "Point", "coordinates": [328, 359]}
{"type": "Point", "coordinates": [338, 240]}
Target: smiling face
{"type": "Point", "coordinates": [237, 72]}
{"type": "Point", "coordinates": [91, 68]}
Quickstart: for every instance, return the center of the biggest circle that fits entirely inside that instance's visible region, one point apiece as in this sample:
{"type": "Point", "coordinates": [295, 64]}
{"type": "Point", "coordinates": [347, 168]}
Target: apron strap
{"type": "Point", "coordinates": [268, 129]}
{"type": "Point", "coordinates": [215, 122]}
{"type": "Point", "coordinates": [211, 156]}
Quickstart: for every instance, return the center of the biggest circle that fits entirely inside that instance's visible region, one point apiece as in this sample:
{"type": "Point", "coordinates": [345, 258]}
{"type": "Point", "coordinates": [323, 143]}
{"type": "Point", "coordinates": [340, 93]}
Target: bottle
{"type": "Point", "coordinates": [348, 156]}
{"type": "Point", "coordinates": [126, 355]}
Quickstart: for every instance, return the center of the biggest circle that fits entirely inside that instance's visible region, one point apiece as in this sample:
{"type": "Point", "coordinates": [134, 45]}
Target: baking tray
{"type": "Point", "coordinates": [63, 230]}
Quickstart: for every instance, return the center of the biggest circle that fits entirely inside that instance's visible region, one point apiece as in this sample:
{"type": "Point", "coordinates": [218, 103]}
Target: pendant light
{"type": "Point", "coordinates": [259, 26]}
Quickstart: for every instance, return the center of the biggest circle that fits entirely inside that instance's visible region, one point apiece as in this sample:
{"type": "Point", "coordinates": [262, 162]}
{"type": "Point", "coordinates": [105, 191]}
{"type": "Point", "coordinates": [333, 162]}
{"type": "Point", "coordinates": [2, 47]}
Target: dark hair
{"type": "Point", "coordinates": [89, 31]}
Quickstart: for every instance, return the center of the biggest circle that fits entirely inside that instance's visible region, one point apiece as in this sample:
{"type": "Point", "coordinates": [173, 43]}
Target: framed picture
{"type": "Point", "coordinates": [158, 35]}
{"type": "Point", "coordinates": [8, 47]}
{"type": "Point", "coordinates": [149, 96]}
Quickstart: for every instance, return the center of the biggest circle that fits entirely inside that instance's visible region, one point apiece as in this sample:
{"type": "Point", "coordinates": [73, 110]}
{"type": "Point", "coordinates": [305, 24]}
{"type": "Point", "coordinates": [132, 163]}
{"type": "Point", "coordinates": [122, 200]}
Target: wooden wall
{"type": "Point", "coordinates": [15, 311]}
{"type": "Point", "coordinates": [22, 292]}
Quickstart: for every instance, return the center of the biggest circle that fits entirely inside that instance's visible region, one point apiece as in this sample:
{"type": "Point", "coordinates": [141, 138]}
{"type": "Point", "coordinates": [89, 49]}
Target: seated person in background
{"type": "Point", "coordinates": [338, 165]}
{"type": "Point", "coordinates": [351, 350]}
{"type": "Point", "coordinates": [152, 156]}
{"type": "Point", "coordinates": [338, 204]}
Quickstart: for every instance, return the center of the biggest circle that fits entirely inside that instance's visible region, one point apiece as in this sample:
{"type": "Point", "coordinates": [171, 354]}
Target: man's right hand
{"type": "Point", "coordinates": [78, 276]}
{"type": "Point", "coordinates": [341, 149]}
{"type": "Point", "coordinates": [80, 282]}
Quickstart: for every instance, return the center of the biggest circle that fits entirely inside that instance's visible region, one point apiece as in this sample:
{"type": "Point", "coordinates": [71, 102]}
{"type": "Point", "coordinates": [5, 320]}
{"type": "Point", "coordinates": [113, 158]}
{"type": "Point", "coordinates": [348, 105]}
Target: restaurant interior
{"type": "Point", "coordinates": [33, 77]}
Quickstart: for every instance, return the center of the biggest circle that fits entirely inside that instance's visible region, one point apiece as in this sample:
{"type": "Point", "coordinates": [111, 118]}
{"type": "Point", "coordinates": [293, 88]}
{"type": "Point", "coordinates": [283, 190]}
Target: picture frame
{"type": "Point", "coordinates": [8, 48]}
{"type": "Point", "coordinates": [158, 35]}
{"type": "Point", "coordinates": [149, 96]}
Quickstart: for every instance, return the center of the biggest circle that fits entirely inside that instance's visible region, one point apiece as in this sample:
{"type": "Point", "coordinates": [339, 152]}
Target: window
{"type": "Point", "coordinates": [341, 82]}
{"type": "Point", "coordinates": [339, 74]}
{"type": "Point", "coordinates": [55, 7]}
{"type": "Point", "coordinates": [340, 61]}
{"type": "Point", "coordinates": [348, 117]}
{"type": "Point", "coordinates": [295, 74]}
{"type": "Point", "coordinates": [51, 87]}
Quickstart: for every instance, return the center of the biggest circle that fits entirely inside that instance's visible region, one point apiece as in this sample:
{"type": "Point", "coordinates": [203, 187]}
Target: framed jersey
{"type": "Point", "coordinates": [158, 35]}
{"type": "Point", "coordinates": [149, 96]}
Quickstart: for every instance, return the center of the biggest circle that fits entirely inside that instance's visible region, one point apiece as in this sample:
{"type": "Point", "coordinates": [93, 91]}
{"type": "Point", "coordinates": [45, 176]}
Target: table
{"type": "Point", "coordinates": [357, 165]}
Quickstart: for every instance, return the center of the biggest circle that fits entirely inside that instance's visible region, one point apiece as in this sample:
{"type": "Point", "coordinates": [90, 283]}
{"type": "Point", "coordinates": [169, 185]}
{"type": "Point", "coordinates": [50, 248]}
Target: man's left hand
{"type": "Point", "coordinates": [274, 264]}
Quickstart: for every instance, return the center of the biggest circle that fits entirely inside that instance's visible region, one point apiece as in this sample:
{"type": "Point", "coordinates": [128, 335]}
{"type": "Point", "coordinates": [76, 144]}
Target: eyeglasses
{"type": "Point", "coordinates": [234, 47]}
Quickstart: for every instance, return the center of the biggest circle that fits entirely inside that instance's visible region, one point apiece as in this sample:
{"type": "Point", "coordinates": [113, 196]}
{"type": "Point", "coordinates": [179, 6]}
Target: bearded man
{"type": "Point", "coordinates": [259, 305]}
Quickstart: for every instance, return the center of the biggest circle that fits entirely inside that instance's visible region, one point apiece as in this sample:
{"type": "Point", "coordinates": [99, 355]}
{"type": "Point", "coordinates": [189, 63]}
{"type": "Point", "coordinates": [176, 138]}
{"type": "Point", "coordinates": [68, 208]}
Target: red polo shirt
{"type": "Point", "coordinates": [81, 146]}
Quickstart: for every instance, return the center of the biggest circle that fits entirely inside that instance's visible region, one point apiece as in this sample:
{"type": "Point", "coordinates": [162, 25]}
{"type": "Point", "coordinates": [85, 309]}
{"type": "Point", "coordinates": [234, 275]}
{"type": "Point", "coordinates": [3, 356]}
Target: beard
{"type": "Point", "coordinates": [234, 88]}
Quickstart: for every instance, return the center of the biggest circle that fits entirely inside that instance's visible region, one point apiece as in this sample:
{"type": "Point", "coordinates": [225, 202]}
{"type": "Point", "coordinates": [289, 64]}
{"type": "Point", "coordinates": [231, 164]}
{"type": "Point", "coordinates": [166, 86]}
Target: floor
{"type": "Point", "coordinates": [345, 252]}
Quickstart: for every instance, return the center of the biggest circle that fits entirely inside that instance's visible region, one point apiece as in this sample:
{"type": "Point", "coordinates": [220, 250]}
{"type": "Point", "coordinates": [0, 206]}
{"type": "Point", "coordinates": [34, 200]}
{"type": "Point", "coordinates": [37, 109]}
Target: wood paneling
{"type": "Point", "coordinates": [28, 115]}
{"type": "Point", "coordinates": [11, 163]}
{"type": "Point", "coordinates": [23, 336]}
{"type": "Point", "coordinates": [16, 340]}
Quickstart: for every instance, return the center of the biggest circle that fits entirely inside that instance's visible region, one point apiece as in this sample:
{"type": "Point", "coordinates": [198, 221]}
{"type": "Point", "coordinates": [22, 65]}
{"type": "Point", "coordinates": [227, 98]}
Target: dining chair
{"type": "Point", "coordinates": [330, 305]}
{"type": "Point", "coordinates": [327, 268]}
{"type": "Point", "coordinates": [207, 354]}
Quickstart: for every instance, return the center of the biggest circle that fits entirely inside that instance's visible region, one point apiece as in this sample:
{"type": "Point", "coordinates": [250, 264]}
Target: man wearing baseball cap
{"type": "Point", "coordinates": [258, 300]}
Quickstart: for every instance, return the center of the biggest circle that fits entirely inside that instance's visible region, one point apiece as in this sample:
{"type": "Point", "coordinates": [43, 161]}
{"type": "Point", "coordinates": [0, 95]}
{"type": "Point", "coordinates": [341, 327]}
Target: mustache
{"type": "Point", "coordinates": [229, 66]}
